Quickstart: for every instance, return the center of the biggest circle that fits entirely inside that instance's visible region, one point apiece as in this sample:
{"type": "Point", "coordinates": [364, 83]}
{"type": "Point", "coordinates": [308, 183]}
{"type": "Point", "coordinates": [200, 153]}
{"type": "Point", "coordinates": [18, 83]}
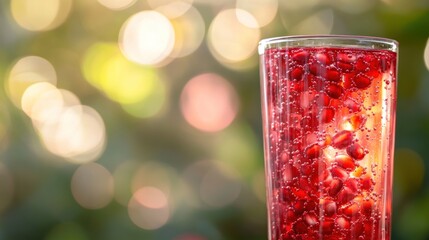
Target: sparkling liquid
{"type": "Point", "coordinates": [329, 117]}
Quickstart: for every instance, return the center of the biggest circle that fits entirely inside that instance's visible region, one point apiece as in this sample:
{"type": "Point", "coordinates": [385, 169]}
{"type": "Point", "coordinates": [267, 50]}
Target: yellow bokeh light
{"type": "Point", "coordinates": [231, 41]}
{"type": "Point", "coordinates": [209, 102]}
{"type": "Point", "coordinates": [6, 187]}
{"type": "Point", "coordinates": [121, 80]}
{"type": "Point", "coordinates": [148, 217]}
{"type": "Point", "coordinates": [426, 54]}
{"type": "Point", "coordinates": [117, 4]}
{"type": "Point", "coordinates": [147, 38]}
{"type": "Point", "coordinates": [25, 72]}
{"type": "Point", "coordinates": [34, 16]}
{"type": "Point", "coordinates": [189, 29]}
{"type": "Point", "coordinates": [264, 11]}
{"type": "Point", "coordinates": [171, 8]}
{"type": "Point", "coordinates": [92, 186]}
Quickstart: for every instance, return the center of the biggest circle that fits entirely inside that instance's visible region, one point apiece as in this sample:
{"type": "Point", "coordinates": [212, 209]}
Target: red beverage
{"type": "Point", "coordinates": [329, 117]}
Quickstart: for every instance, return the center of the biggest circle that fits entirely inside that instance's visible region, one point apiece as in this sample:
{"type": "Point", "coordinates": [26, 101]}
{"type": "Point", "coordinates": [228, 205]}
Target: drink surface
{"type": "Point", "coordinates": [329, 116]}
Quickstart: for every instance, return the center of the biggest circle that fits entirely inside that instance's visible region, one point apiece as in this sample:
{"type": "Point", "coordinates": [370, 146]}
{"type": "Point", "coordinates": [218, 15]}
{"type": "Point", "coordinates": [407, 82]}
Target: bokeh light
{"type": "Point", "coordinates": [426, 54]}
{"type": "Point", "coordinates": [78, 134]}
{"type": "Point", "coordinates": [117, 4]}
{"type": "Point", "coordinates": [25, 72]}
{"type": "Point", "coordinates": [209, 102]}
{"type": "Point", "coordinates": [147, 38]}
{"type": "Point", "coordinates": [264, 11]}
{"type": "Point", "coordinates": [171, 8]}
{"type": "Point", "coordinates": [6, 187]}
{"type": "Point", "coordinates": [138, 88]}
{"type": "Point", "coordinates": [229, 40]}
{"type": "Point", "coordinates": [34, 16]}
{"type": "Point", "coordinates": [142, 212]}
{"type": "Point", "coordinates": [92, 186]}
{"type": "Point", "coordinates": [189, 29]}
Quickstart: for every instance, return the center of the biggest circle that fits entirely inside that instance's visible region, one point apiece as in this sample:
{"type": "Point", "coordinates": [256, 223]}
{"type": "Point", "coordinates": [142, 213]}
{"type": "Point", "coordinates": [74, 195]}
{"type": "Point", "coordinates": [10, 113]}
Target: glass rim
{"type": "Point", "coordinates": [355, 41]}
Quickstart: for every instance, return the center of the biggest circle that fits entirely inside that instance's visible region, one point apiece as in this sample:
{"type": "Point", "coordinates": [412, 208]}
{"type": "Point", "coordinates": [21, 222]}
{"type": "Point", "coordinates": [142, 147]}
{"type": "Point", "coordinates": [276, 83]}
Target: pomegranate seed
{"type": "Point", "coordinates": [328, 206]}
{"type": "Point", "coordinates": [327, 226]}
{"type": "Point", "coordinates": [346, 195]}
{"type": "Point", "coordinates": [298, 207]}
{"type": "Point", "coordinates": [300, 227]}
{"type": "Point", "coordinates": [296, 73]}
{"type": "Point", "coordinates": [289, 173]}
{"type": "Point", "coordinates": [351, 210]}
{"type": "Point", "coordinates": [323, 99]}
{"type": "Point", "coordinates": [342, 139]}
{"type": "Point", "coordinates": [361, 66]}
{"type": "Point", "coordinates": [317, 69]}
{"type": "Point", "coordinates": [352, 105]}
{"type": "Point", "coordinates": [301, 57]}
{"type": "Point", "coordinates": [356, 151]}
{"type": "Point", "coordinates": [340, 173]}
{"type": "Point", "coordinates": [342, 223]}
{"type": "Point", "coordinates": [306, 169]}
{"type": "Point", "coordinates": [373, 62]}
{"type": "Point", "coordinates": [347, 79]}
{"type": "Point", "coordinates": [300, 193]}
{"type": "Point", "coordinates": [373, 74]}
{"type": "Point", "coordinates": [305, 185]}
{"type": "Point", "coordinates": [290, 215]}
{"type": "Point", "coordinates": [334, 90]}
{"type": "Point", "coordinates": [352, 184]}
{"type": "Point", "coordinates": [346, 57]}
{"type": "Point", "coordinates": [366, 182]}
{"type": "Point", "coordinates": [356, 230]}
{"type": "Point", "coordinates": [362, 81]}
{"type": "Point", "coordinates": [333, 75]}
{"type": "Point", "coordinates": [335, 187]}
{"type": "Point", "coordinates": [345, 161]}
{"type": "Point", "coordinates": [367, 206]}
{"type": "Point", "coordinates": [323, 58]}
{"type": "Point", "coordinates": [309, 123]}
{"type": "Point", "coordinates": [327, 114]}
{"type": "Point", "coordinates": [346, 67]}
{"type": "Point", "coordinates": [310, 219]}
{"type": "Point", "coordinates": [313, 151]}
{"type": "Point", "coordinates": [286, 195]}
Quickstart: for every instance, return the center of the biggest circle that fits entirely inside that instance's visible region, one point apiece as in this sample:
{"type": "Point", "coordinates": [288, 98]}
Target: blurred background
{"type": "Point", "coordinates": [140, 119]}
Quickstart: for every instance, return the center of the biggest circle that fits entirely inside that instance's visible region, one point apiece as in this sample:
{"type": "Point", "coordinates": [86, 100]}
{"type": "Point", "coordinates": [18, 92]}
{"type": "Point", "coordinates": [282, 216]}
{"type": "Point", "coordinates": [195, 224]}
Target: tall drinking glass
{"type": "Point", "coordinates": [328, 107]}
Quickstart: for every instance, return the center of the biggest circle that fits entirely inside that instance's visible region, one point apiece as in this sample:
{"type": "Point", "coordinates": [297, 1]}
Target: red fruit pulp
{"type": "Point", "coordinates": [329, 172]}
